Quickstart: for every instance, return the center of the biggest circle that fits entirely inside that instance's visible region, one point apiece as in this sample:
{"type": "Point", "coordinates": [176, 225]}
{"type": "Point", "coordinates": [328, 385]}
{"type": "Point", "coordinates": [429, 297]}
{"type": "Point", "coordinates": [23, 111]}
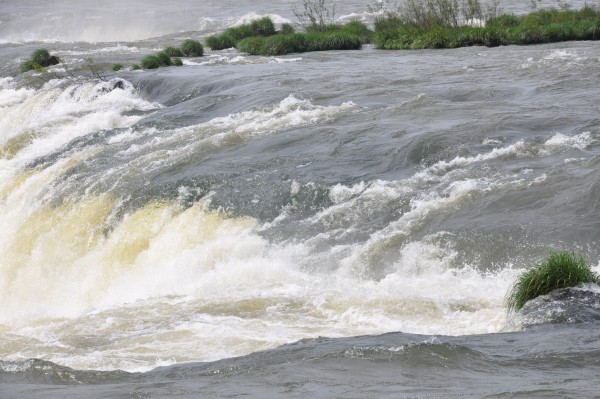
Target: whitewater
{"type": "Point", "coordinates": [333, 224]}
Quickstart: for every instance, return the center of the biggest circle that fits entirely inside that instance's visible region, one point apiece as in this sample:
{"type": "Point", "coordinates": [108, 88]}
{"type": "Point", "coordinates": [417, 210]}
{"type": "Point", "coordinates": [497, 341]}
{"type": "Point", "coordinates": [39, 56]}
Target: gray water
{"type": "Point", "coordinates": [253, 225]}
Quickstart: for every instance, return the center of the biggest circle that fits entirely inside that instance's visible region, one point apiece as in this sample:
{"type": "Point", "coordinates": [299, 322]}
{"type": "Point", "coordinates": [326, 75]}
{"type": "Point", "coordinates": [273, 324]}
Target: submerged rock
{"type": "Point", "coordinates": [579, 304]}
{"type": "Point", "coordinates": [111, 85]}
{"type": "Point", "coordinates": [52, 60]}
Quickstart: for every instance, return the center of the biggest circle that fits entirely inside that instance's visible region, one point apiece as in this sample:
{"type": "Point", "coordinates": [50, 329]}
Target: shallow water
{"type": "Point", "coordinates": [209, 212]}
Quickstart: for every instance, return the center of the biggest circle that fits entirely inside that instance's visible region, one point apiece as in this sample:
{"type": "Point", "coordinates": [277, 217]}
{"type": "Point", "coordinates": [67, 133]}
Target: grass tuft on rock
{"type": "Point", "coordinates": [40, 58]}
{"type": "Point", "coordinates": [191, 48]}
{"type": "Point", "coordinates": [561, 269]}
{"type": "Point", "coordinates": [176, 62]}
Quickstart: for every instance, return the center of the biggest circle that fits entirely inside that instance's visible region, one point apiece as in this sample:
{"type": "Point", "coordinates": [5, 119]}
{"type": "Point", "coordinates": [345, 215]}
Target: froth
{"type": "Point", "coordinates": [247, 18]}
{"type": "Point", "coordinates": [197, 140]}
{"type": "Point", "coordinates": [169, 285]}
{"type": "Point", "coordinates": [33, 124]}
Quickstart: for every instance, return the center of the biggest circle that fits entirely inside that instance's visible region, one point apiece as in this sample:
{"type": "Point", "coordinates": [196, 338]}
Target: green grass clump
{"type": "Point", "coordinates": [263, 27]}
{"type": "Point", "coordinates": [163, 58]}
{"type": "Point", "coordinates": [150, 62]}
{"type": "Point", "coordinates": [332, 41]}
{"type": "Point", "coordinates": [189, 48]}
{"type": "Point", "coordinates": [40, 58]}
{"type": "Point", "coordinates": [220, 42]}
{"type": "Point", "coordinates": [135, 67]}
{"type": "Point", "coordinates": [117, 67]}
{"type": "Point", "coordinates": [229, 38]}
{"type": "Point", "coordinates": [173, 52]}
{"type": "Point", "coordinates": [287, 29]}
{"type": "Point", "coordinates": [28, 65]}
{"type": "Point", "coordinates": [560, 269]}
{"type": "Point", "coordinates": [544, 26]}
{"type": "Point", "coordinates": [254, 45]}
{"type": "Point", "coordinates": [356, 28]}
{"type": "Point", "coordinates": [504, 21]}
{"type": "Point", "coordinates": [260, 38]}
{"type": "Point", "coordinates": [192, 48]}
{"type": "Point", "coordinates": [359, 29]}
{"type": "Point", "coordinates": [299, 43]}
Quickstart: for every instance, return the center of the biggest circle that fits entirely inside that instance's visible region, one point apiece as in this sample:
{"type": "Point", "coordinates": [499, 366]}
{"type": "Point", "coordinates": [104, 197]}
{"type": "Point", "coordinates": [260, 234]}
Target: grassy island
{"type": "Point", "coordinates": [258, 28]}
{"type": "Point", "coordinates": [260, 38]}
{"type": "Point", "coordinates": [350, 36]}
{"type": "Point", "coordinates": [559, 270]}
{"type": "Point", "coordinates": [544, 26]}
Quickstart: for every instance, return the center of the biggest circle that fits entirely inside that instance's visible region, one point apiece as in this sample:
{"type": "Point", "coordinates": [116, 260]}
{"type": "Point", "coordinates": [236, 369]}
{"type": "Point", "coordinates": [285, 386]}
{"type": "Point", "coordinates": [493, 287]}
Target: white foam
{"type": "Point", "coordinates": [116, 48]}
{"type": "Point", "coordinates": [10, 96]}
{"type": "Point", "coordinates": [560, 59]}
{"type": "Point", "coordinates": [252, 16]}
{"type": "Point", "coordinates": [579, 141]}
{"type": "Point", "coordinates": [63, 110]}
{"type": "Point", "coordinates": [227, 292]}
{"type": "Point", "coordinates": [237, 59]}
{"type": "Point", "coordinates": [255, 123]}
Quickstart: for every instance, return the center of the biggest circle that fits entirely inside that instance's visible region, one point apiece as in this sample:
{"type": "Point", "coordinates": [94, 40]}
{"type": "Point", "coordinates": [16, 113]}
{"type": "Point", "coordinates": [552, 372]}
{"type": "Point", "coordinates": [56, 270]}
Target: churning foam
{"type": "Point", "coordinates": [167, 284]}
{"type": "Point", "coordinates": [36, 123]}
{"type": "Point", "coordinates": [561, 59]}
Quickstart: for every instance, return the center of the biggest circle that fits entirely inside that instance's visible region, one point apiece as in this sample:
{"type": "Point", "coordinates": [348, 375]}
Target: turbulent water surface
{"type": "Point", "coordinates": [253, 225]}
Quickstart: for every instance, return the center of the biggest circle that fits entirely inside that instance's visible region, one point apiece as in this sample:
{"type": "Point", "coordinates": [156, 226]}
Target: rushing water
{"type": "Point", "coordinates": [250, 225]}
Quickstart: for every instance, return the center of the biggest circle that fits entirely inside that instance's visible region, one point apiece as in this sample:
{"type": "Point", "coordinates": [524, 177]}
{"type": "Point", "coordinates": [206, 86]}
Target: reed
{"type": "Point", "coordinates": [561, 269]}
{"type": "Point", "coordinates": [314, 14]}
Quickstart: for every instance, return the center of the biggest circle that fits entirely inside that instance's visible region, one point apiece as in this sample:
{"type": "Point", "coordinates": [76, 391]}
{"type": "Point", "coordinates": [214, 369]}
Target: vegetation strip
{"type": "Point", "coordinates": [429, 24]}
{"type": "Point", "coordinates": [544, 26]}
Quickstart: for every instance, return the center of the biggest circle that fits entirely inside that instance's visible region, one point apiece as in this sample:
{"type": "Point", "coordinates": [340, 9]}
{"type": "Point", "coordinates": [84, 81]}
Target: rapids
{"type": "Point", "coordinates": [165, 232]}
